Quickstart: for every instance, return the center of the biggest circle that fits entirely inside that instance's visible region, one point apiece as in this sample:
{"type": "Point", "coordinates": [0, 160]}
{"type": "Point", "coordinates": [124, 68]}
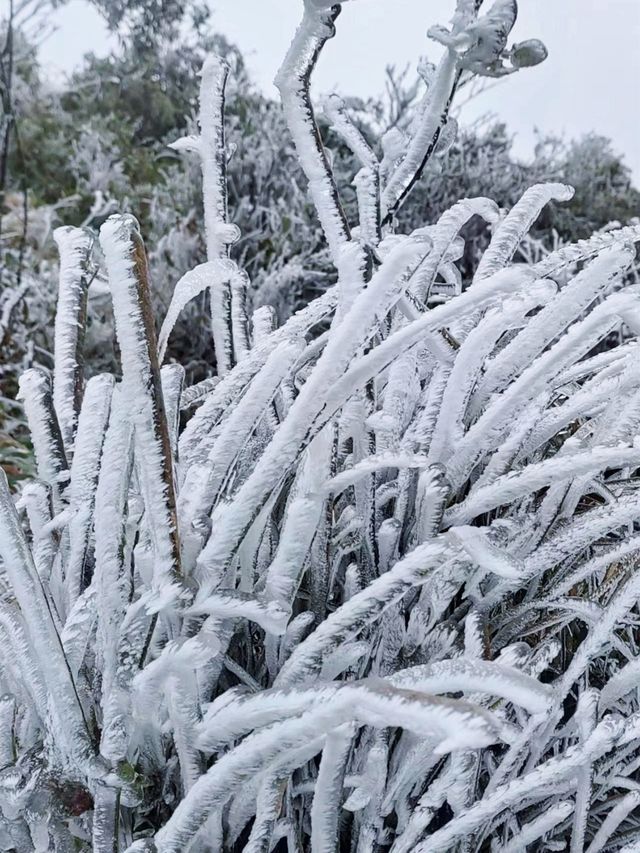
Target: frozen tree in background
{"type": "Point", "coordinates": [372, 586]}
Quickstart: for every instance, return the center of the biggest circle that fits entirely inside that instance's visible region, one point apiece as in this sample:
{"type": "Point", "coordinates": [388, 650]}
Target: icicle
{"type": "Point", "coordinates": [105, 819]}
{"type": "Point", "coordinates": [239, 319]}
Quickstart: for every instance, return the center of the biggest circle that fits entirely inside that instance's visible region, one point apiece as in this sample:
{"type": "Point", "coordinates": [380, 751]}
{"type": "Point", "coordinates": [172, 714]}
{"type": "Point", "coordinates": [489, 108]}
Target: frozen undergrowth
{"type": "Point", "coordinates": [373, 587]}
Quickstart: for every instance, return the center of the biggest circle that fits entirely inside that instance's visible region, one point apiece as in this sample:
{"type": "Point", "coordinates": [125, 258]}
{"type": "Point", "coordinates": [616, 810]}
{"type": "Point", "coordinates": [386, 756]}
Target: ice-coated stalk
{"type": "Point", "coordinates": [36, 608]}
{"type": "Point", "coordinates": [293, 79]}
{"type": "Point", "coordinates": [142, 389]}
{"type": "Point", "coordinates": [74, 247]}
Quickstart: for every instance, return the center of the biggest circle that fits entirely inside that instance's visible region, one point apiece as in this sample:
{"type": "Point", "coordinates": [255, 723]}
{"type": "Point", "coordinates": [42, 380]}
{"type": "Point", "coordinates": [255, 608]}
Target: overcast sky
{"type": "Point", "coordinates": [589, 82]}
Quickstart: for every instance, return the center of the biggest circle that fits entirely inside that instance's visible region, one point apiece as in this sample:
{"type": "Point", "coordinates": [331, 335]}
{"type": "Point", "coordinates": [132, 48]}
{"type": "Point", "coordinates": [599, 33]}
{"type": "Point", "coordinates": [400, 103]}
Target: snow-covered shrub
{"type": "Point", "coordinates": [373, 586]}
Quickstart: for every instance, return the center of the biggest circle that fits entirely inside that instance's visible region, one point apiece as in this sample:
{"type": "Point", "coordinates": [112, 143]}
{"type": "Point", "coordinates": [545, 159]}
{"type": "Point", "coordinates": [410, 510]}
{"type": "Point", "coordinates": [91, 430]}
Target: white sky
{"type": "Point", "coordinates": [589, 82]}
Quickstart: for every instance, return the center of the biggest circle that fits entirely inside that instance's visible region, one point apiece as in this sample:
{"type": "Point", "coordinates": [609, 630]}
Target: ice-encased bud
{"type": "Point", "coordinates": [527, 53]}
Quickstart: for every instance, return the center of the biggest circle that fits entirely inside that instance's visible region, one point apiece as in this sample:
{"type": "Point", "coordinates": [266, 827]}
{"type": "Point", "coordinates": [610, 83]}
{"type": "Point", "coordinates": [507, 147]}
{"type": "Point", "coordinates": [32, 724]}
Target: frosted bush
{"type": "Point", "coordinates": [372, 586]}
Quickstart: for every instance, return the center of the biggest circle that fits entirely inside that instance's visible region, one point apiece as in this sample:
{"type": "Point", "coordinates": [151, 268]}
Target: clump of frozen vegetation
{"type": "Point", "coordinates": [370, 587]}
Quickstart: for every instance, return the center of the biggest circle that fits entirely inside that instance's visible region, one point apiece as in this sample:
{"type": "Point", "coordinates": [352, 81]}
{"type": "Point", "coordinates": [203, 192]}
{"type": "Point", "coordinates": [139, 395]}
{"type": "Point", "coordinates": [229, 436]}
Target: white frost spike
{"type": "Point", "coordinates": [625, 805]}
{"type": "Point", "coordinates": [470, 361]}
{"type": "Point", "coordinates": [212, 150]}
{"type": "Point", "coordinates": [92, 426]}
{"type": "Point", "coordinates": [212, 273]}
{"type": "Point", "coordinates": [378, 358]}
{"type": "Point", "coordinates": [219, 233]}
{"type": "Point", "coordinates": [111, 504]}
{"type": "Point", "coordinates": [555, 317]}
{"type": "Point", "coordinates": [431, 497]}
{"type": "Point", "coordinates": [319, 477]}
{"type": "Point", "coordinates": [172, 380]}
{"type": "Point", "coordinates": [325, 810]}
{"type": "Point", "coordinates": [457, 724]}
{"type": "Point", "coordinates": [576, 343]}
{"type": "Point", "coordinates": [351, 476]}
{"type": "Point", "coordinates": [263, 322]}
{"type": "Point", "coordinates": [303, 519]}
{"type": "Point", "coordinates": [477, 676]}
{"type": "Point", "coordinates": [36, 609]}
{"type": "Point", "coordinates": [36, 499]}
{"type": "Point", "coordinates": [187, 144]}
{"type": "Point", "coordinates": [77, 629]}
{"type": "Point", "coordinates": [536, 781]}
{"type": "Point", "coordinates": [128, 280]}
{"type": "Point", "coordinates": [485, 554]}
{"type": "Point", "coordinates": [474, 636]}
{"type": "Point", "coordinates": [204, 483]}
{"type": "Point", "coordinates": [367, 180]}
{"type": "Point", "coordinates": [7, 734]}
{"type": "Point", "coordinates": [510, 232]}
{"type": "Point", "coordinates": [292, 81]}
{"type": "Point", "coordinates": [627, 679]}
{"type": "Point", "coordinates": [443, 236]}
{"type": "Point", "coordinates": [425, 135]}
{"type": "Point", "coordinates": [362, 608]}
{"type": "Point", "coordinates": [35, 392]}
{"type": "Point", "coordinates": [315, 396]}
{"type": "Point", "coordinates": [74, 246]}
{"type": "Point", "coordinates": [223, 604]}
{"type": "Point", "coordinates": [535, 829]}
{"type": "Point", "coordinates": [537, 476]}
